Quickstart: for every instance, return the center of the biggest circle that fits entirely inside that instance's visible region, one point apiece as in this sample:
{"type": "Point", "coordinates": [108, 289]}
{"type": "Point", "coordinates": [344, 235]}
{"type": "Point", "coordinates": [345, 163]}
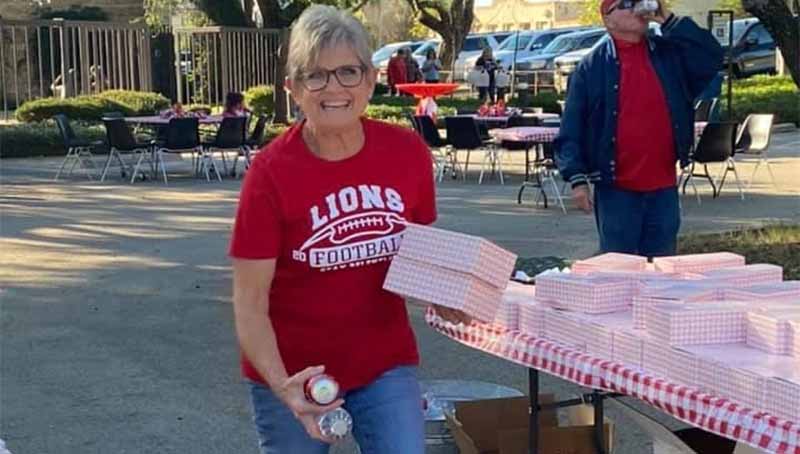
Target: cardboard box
{"type": "Point", "coordinates": [772, 331]}
{"type": "Point", "coordinates": [587, 294]}
{"type": "Point", "coordinates": [500, 426]}
{"type": "Point", "coordinates": [566, 328]}
{"type": "Point", "coordinates": [437, 285]}
{"type": "Point", "coordinates": [628, 348]}
{"type": "Point", "coordinates": [786, 290]}
{"type": "Point", "coordinates": [610, 262]}
{"type": "Point", "coordinates": [531, 318]}
{"type": "Point", "coordinates": [748, 275]}
{"type": "Point", "coordinates": [698, 263]}
{"type": "Point", "coordinates": [455, 251]}
{"type": "Point", "coordinates": [697, 324]}
{"type": "Point", "coordinates": [682, 292]}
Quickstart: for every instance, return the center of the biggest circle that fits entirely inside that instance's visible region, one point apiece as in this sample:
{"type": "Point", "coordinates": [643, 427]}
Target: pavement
{"type": "Point", "coordinates": [116, 329]}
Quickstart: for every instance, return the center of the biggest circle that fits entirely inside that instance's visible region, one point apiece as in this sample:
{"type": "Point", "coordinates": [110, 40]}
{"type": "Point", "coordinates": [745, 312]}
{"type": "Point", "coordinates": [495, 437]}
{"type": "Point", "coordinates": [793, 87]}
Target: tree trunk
{"type": "Point", "coordinates": [784, 28]}
{"type": "Point", "coordinates": [452, 25]}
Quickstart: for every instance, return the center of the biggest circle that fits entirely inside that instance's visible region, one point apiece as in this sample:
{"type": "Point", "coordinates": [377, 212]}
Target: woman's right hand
{"type": "Point", "coordinates": [292, 393]}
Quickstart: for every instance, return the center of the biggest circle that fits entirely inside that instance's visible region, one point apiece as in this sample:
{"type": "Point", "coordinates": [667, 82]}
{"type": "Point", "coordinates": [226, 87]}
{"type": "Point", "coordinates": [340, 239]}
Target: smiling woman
{"type": "Point", "coordinates": [322, 211]}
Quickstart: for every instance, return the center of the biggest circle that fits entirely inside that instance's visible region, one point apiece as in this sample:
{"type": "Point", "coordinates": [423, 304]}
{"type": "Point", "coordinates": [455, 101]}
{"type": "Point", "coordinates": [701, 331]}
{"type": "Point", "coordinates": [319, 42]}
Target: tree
{"type": "Point", "coordinates": [783, 26]}
{"type": "Point", "coordinates": [735, 6]}
{"type": "Point", "coordinates": [451, 19]}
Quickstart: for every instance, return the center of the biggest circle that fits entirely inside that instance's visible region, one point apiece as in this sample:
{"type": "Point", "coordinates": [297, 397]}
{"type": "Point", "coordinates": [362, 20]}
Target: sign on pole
{"type": "Point", "coordinates": [721, 26]}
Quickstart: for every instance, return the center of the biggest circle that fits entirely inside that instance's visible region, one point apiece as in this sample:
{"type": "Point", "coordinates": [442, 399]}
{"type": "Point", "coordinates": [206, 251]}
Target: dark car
{"type": "Point", "coordinates": [753, 48]}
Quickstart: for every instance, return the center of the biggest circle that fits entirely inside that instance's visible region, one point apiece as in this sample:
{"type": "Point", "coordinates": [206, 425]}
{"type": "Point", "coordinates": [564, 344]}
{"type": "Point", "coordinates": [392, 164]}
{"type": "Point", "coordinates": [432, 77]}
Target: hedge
{"type": "Point", "coordinates": [92, 107]}
{"type": "Point", "coordinates": [41, 139]}
{"type": "Point", "coordinates": [764, 94]}
{"type": "Point", "coordinates": [261, 99]}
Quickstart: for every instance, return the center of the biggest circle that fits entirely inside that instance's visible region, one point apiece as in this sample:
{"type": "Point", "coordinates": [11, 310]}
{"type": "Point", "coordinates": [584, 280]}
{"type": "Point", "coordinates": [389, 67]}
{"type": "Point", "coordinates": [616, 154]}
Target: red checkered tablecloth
{"type": "Point", "coordinates": [539, 134]}
{"type": "Point", "coordinates": [717, 415]}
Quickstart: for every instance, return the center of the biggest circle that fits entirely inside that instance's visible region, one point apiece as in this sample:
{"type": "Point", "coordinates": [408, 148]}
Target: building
{"type": "Point", "coordinates": [496, 15]}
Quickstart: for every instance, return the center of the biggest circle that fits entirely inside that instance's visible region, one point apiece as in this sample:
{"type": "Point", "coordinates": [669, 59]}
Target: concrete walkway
{"type": "Point", "coordinates": [115, 323]}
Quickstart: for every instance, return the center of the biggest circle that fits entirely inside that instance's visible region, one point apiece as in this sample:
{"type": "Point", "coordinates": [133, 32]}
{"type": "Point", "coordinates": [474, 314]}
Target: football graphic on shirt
{"type": "Point", "coordinates": [359, 225]}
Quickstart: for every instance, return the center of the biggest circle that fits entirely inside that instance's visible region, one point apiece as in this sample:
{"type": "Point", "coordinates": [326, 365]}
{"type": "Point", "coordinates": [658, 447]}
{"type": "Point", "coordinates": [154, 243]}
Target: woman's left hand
{"type": "Point", "coordinates": [454, 316]}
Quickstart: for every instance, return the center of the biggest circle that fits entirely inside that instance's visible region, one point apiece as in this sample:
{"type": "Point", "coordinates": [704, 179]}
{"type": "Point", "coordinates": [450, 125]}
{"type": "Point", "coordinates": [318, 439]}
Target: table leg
{"type": "Point", "coordinates": [533, 429]}
{"type": "Point", "coordinates": [599, 429]}
{"type": "Point", "coordinates": [527, 161]}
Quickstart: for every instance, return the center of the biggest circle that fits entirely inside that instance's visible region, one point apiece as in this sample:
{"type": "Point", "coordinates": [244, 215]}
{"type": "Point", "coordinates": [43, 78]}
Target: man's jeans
{"type": "Point", "coordinates": [643, 223]}
{"type": "Point", "coordinates": [387, 418]}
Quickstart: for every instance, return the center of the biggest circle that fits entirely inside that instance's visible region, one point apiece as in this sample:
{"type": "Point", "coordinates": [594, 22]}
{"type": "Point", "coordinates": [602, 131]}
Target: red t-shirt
{"type": "Point", "coordinates": [645, 146]}
{"type": "Point", "coordinates": [396, 71]}
{"type": "Point", "coordinates": [333, 227]}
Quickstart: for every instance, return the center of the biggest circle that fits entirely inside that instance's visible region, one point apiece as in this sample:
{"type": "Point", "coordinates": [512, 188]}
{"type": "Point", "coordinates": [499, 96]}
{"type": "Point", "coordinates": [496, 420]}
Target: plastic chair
{"type": "Point", "coordinates": [444, 157]}
{"type": "Point", "coordinates": [463, 134]}
{"type": "Point", "coordinates": [253, 143]}
{"type": "Point", "coordinates": [79, 151]}
{"type": "Point", "coordinates": [121, 140]}
{"type": "Point", "coordinates": [230, 137]}
{"type": "Point", "coordinates": [754, 138]}
{"type": "Point", "coordinates": [704, 109]}
{"type": "Point", "coordinates": [716, 146]}
{"type": "Point", "coordinates": [183, 136]}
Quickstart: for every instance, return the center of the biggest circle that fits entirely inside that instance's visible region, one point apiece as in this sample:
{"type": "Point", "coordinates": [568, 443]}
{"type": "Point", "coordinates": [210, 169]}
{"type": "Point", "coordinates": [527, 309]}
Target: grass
{"type": "Point", "coordinates": [775, 244]}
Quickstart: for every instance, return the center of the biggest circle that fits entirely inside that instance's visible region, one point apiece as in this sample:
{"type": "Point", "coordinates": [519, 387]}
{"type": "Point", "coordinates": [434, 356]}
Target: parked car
{"type": "Point", "coordinates": [528, 44]}
{"type": "Point", "coordinates": [545, 59]}
{"type": "Point", "coordinates": [380, 58]}
{"type": "Point", "coordinates": [470, 51]}
{"type": "Point", "coordinates": [753, 48]}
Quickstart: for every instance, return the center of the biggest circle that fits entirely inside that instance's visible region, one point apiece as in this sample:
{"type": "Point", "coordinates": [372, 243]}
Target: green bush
{"type": "Point", "coordinates": [261, 99]}
{"type": "Point", "coordinates": [137, 102]}
{"type": "Point", "coordinates": [765, 94]}
{"type": "Point", "coordinates": [41, 139]}
{"type": "Point", "coordinates": [86, 108]}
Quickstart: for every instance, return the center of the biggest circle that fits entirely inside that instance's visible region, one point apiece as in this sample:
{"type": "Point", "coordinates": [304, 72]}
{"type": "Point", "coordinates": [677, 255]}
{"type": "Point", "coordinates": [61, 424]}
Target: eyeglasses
{"type": "Point", "coordinates": [348, 76]}
{"type": "Point", "coordinates": [624, 4]}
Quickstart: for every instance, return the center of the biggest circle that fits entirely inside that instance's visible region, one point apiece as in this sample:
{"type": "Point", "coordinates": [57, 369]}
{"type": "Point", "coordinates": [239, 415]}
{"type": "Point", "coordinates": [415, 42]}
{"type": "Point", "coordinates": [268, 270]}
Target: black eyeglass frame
{"type": "Point", "coordinates": [329, 72]}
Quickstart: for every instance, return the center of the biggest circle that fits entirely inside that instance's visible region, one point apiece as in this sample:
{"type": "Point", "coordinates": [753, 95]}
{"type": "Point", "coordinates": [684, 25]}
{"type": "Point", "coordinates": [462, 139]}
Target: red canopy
{"type": "Point", "coordinates": [427, 90]}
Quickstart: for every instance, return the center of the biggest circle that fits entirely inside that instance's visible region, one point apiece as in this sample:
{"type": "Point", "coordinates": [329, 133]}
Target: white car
{"type": "Point", "coordinates": [528, 43]}
{"type": "Point", "coordinates": [470, 51]}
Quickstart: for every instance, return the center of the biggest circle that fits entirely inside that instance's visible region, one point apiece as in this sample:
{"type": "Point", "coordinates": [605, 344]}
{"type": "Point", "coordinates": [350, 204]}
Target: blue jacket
{"type": "Point", "coordinates": [686, 58]}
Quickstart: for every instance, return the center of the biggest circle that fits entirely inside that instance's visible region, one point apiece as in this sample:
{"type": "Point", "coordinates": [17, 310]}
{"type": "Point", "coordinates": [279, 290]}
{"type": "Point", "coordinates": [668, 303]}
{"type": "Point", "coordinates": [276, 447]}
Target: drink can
{"type": "Point", "coordinates": [336, 424]}
{"type": "Point", "coordinates": [646, 7]}
{"type": "Point", "coordinates": [321, 389]}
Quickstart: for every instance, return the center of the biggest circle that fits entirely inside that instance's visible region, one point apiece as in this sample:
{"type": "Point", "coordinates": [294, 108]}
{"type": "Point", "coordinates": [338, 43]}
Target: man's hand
{"type": "Point", "coordinates": [662, 14]}
{"type": "Point", "coordinates": [451, 315]}
{"type": "Point", "coordinates": [583, 198]}
{"type": "Point", "coordinates": [292, 394]}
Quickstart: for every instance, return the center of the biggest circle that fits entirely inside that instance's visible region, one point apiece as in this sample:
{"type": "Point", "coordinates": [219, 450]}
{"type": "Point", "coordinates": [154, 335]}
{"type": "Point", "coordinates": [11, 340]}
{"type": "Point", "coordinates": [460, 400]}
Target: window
{"type": "Point", "coordinates": [475, 43]}
{"type": "Point", "coordinates": [525, 26]}
{"type": "Point", "coordinates": [507, 27]}
{"type": "Point", "coordinates": [760, 33]}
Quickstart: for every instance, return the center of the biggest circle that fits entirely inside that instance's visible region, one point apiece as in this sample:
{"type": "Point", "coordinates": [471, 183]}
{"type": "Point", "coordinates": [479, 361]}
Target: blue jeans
{"type": "Point", "coordinates": [387, 418]}
{"type": "Point", "coordinates": [643, 223]}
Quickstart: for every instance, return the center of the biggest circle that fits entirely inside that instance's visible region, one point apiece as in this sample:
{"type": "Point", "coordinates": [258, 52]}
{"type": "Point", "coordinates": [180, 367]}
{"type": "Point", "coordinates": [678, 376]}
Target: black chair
{"type": "Point", "coordinates": [412, 119]}
{"type": "Point", "coordinates": [183, 136]}
{"type": "Point", "coordinates": [256, 140]}
{"type": "Point", "coordinates": [444, 157]}
{"type": "Point", "coordinates": [429, 132]}
{"type": "Point", "coordinates": [703, 110]}
{"type": "Point", "coordinates": [754, 138]}
{"type": "Point", "coordinates": [463, 134]}
{"type": "Point", "coordinates": [121, 140]}
{"type": "Point", "coordinates": [79, 151]}
{"type": "Point", "coordinates": [230, 137]}
{"type": "Point", "coordinates": [716, 146]}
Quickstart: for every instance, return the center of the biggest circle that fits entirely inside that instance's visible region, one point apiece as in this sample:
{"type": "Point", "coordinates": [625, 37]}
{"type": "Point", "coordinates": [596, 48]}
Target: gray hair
{"type": "Point", "coordinates": [321, 27]}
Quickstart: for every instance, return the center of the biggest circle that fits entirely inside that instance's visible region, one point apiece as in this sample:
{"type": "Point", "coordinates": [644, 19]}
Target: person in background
{"type": "Point", "coordinates": [234, 105]}
{"type": "Point", "coordinates": [396, 72]}
{"type": "Point", "coordinates": [629, 117]}
{"type": "Point", "coordinates": [431, 67]}
{"type": "Point", "coordinates": [308, 293]}
{"type": "Point", "coordinates": [486, 62]}
{"type": "Point", "coordinates": [412, 68]}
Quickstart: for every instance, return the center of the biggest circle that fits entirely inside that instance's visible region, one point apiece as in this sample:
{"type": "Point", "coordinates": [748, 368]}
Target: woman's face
{"type": "Point", "coordinates": [339, 103]}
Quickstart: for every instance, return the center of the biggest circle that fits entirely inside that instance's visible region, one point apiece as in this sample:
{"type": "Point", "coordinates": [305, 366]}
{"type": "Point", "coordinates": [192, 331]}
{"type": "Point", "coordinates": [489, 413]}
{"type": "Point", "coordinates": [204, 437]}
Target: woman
{"type": "Point", "coordinates": [396, 72]}
{"type": "Point", "coordinates": [431, 67]}
{"type": "Point", "coordinates": [412, 67]}
{"type": "Point", "coordinates": [487, 63]}
{"type": "Point", "coordinates": [319, 218]}
{"type": "Point", "coordinates": [234, 105]}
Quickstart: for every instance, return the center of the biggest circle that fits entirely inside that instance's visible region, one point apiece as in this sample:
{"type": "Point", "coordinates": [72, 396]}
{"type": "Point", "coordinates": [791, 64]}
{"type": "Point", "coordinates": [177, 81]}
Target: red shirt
{"type": "Point", "coordinates": [396, 71]}
{"type": "Point", "coordinates": [333, 227]}
{"type": "Point", "coordinates": [645, 145]}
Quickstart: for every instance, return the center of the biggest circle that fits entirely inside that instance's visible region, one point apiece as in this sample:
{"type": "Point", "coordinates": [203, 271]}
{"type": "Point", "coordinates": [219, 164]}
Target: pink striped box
{"type": "Point", "coordinates": [786, 290]}
{"type": "Point", "coordinates": [585, 294]}
{"type": "Point", "coordinates": [698, 263]}
{"type": "Point", "coordinates": [772, 331]}
{"type": "Point", "coordinates": [610, 262]}
{"type": "Point", "coordinates": [670, 363]}
{"type": "Point", "coordinates": [531, 318]}
{"type": "Point", "coordinates": [795, 327]}
{"type": "Point", "coordinates": [458, 252]}
{"type": "Point", "coordinates": [628, 346]}
{"type": "Point", "coordinates": [783, 398]}
{"type": "Point", "coordinates": [515, 295]}
{"type": "Point", "coordinates": [748, 275]}
{"type": "Point", "coordinates": [683, 292]}
{"type": "Point", "coordinates": [599, 339]}
{"type": "Point", "coordinates": [565, 328]}
{"type": "Point", "coordinates": [741, 385]}
{"type": "Point", "coordinates": [696, 324]}
{"type": "Point", "coordinates": [438, 285]}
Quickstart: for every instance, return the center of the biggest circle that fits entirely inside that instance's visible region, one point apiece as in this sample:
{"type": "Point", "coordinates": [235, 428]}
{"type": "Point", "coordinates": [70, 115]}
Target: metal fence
{"type": "Point", "coordinates": [69, 58]}
{"type": "Point", "coordinates": [212, 61]}
{"type": "Point", "coordinates": [61, 58]}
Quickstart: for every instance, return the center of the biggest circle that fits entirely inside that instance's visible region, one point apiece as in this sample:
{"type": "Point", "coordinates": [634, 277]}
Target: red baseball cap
{"type": "Point", "coordinates": [605, 5]}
